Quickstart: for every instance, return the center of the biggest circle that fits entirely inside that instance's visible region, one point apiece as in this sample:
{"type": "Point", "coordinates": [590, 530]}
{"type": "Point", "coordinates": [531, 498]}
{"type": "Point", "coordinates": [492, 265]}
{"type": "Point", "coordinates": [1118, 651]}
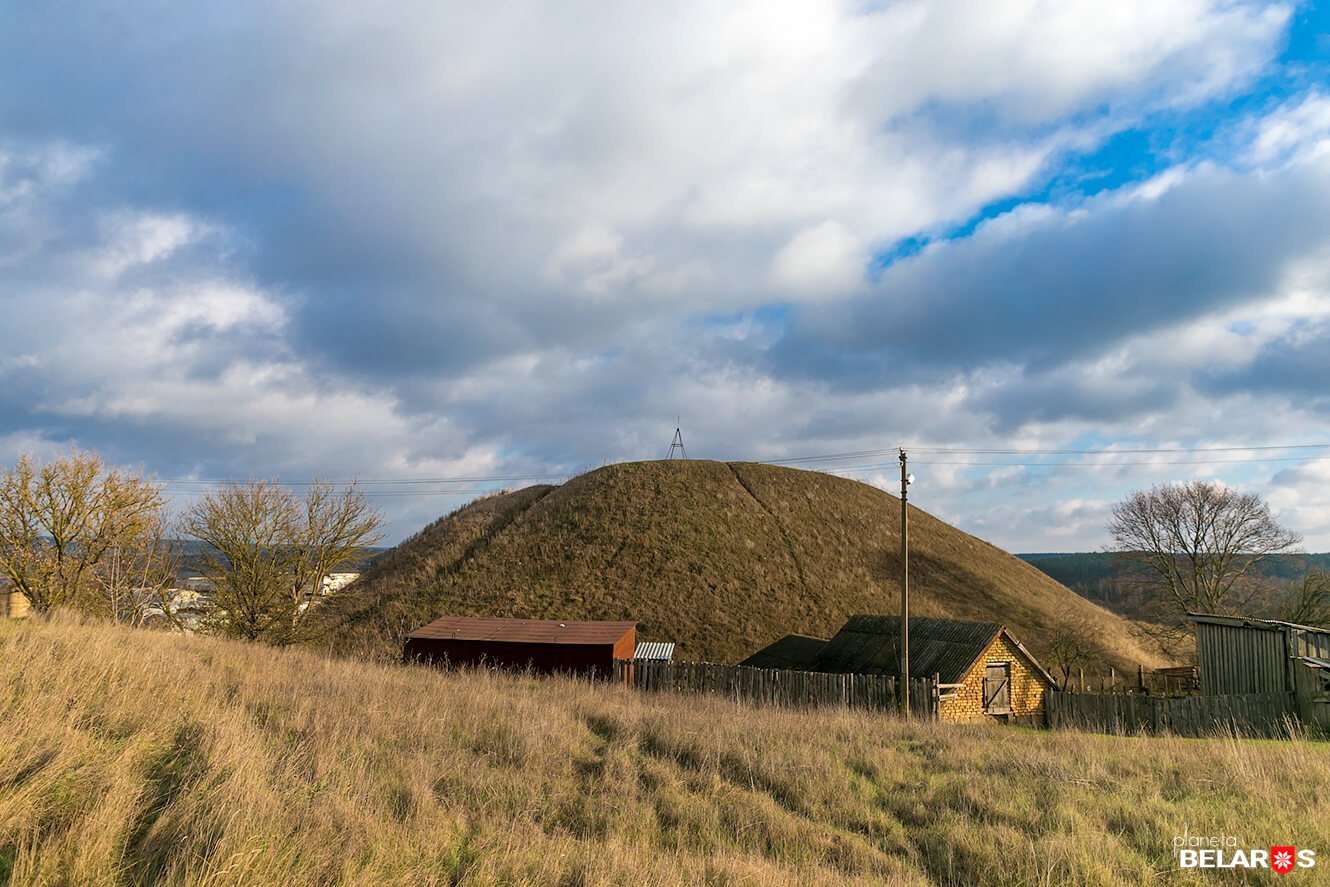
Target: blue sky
{"type": "Point", "coordinates": [431, 240]}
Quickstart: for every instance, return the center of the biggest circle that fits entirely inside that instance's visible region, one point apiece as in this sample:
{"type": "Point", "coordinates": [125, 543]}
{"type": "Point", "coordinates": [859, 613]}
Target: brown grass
{"type": "Point", "coordinates": [722, 558]}
{"type": "Point", "coordinates": [133, 758]}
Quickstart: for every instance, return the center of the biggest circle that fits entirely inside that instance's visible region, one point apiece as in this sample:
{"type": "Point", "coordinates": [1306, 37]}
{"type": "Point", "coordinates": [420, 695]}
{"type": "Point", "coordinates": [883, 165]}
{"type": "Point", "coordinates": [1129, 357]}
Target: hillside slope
{"type": "Point", "coordinates": [721, 558]}
{"type": "Point", "coordinates": [134, 757]}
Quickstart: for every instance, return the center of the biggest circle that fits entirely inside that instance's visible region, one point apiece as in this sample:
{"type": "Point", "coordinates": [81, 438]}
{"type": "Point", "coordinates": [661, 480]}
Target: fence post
{"type": "Point", "coordinates": [937, 695]}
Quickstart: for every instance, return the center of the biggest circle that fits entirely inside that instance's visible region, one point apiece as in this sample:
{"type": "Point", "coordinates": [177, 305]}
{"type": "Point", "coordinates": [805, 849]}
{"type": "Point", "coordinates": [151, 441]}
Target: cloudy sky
{"type": "Point", "coordinates": [429, 242]}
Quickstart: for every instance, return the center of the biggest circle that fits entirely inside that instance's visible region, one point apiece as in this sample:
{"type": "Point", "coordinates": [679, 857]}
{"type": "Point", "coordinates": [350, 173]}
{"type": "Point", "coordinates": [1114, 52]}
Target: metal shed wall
{"type": "Point", "coordinates": [1236, 660]}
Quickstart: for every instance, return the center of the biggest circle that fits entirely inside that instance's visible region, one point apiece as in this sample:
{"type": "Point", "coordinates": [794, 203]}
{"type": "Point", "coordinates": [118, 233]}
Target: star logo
{"type": "Point", "coordinates": [1281, 859]}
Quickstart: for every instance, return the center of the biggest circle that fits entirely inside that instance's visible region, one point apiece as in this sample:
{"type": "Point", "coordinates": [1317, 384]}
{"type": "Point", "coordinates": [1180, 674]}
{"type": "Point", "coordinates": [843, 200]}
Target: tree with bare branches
{"type": "Point", "coordinates": [1071, 644]}
{"type": "Point", "coordinates": [135, 581]}
{"type": "Point", "coordinates": [1308, 601]}
{"type": "Point", "coordinates": [1195, 547]}
{"type": "Point", "coordinates": [62, 524]}
{"type": "Point", "coordinates": [267, 552]}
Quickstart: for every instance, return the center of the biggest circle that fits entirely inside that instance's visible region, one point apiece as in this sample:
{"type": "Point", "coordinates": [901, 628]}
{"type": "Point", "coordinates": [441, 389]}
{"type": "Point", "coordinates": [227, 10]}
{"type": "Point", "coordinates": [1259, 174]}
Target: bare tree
{"type": "Point", "coordinates": [137, 576]}
{"type": "Point", "coordinates": [1071, 644]}
{"type": "Point", "coordinates": [60, 521]}
{"type": "Point", "coordinates": [268, 551]}
{"type": "Point", "coordinates": [1308, 601]}
{"type": "Point", "coordinates": [1194, 547]}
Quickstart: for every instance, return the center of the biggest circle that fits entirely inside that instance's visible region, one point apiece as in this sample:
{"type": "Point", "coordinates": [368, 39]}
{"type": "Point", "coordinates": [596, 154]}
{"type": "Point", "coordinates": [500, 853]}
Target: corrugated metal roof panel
{"type": "Point", "coordinates": [657, 651]}
{"type": "Point", "coordinates": [1252, 622]}
{"type": "Point", "coordinates": [794, 651]}
{"type": "Point", "coordinates": [531, 631]}
{"type": "Point", "coordinates": [871, 645]}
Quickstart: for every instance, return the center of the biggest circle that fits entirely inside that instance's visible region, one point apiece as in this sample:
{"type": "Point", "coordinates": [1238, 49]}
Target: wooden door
{"type": "Point", "coordinates": [997, 688]}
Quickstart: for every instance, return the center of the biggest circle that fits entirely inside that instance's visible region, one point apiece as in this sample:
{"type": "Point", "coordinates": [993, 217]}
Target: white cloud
{"type": "Point", "coordinates": [821, 260]}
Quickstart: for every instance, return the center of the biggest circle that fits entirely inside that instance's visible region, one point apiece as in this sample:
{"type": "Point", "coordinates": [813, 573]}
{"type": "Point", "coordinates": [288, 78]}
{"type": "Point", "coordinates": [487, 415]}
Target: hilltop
{"type": "Point", "coordinates": [721, 558]}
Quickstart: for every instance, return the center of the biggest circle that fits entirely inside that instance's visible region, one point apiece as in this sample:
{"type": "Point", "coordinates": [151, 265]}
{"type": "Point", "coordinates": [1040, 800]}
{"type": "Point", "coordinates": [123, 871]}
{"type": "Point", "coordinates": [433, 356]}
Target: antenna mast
{"type": "Point", "coordinates": [677, 443]}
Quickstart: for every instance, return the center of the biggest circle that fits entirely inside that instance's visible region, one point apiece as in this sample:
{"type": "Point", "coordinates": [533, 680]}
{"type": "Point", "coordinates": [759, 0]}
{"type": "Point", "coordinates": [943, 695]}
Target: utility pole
{"type": "Point", "coordinates": [906, 478]}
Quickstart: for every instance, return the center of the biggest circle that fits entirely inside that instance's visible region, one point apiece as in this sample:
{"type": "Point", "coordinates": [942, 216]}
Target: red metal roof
{"type": "Point", "coordinates": [530, 631]}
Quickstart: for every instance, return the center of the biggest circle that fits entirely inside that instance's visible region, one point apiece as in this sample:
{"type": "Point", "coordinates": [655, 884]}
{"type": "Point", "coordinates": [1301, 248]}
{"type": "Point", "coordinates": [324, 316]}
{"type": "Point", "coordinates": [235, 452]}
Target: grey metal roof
{"type": "Point", "coordinates": [871, 645]}
{"type": "Point", "coordinates": [659, 651]}
{"type": "Point", "coordinates": [794, 651]}
{"type": "Point", "coordinates": [1252, 622]}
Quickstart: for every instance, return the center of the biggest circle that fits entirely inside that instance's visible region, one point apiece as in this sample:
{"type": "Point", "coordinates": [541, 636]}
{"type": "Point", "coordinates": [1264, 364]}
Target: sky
{"type": "Point", "coordinates": [444, 248]}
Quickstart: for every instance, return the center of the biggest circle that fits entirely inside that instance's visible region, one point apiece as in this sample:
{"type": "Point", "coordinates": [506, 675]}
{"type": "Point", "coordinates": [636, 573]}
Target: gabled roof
{"type": "Point", "coordinates": [794, 651]}
{"type": "Point", "coordinates": [871, 645]}
{"type": "Point", "coordinates": [948, 648]}
{"type": "Point", "coordinates": [528, 631]}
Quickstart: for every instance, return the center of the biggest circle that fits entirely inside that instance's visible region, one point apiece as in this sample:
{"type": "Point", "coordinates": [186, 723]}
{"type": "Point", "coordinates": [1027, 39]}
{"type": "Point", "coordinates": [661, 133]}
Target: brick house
{"type": "Point", "coordinates": [991, 675]}
{"type": "Point", "coordinates": [13, 603]}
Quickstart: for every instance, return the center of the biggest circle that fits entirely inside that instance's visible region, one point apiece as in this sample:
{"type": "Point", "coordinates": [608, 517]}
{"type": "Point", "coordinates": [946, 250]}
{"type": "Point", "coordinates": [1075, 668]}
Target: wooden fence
{"type": "Point", "coordinates": [767, 686]}
{"type": "Point", "coordinates": [1257, 714]}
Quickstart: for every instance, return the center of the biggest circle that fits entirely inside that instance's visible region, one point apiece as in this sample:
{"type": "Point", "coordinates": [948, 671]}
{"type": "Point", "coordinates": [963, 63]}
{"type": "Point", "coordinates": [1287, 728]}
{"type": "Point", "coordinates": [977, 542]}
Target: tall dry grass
{"type": "Point", "coordinates": [134, 758]}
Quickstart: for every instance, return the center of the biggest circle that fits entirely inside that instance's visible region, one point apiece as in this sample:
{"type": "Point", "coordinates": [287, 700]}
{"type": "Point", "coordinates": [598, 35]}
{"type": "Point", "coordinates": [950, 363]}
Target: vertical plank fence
{"type": "Point", "coordinates": [1254, 714]}
{"type": "Point", "coordinates": [778, 687]}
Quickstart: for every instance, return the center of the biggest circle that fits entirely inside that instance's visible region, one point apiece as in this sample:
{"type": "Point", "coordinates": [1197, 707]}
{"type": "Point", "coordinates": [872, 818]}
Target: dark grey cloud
{"type": "Point", "coordinates": [1061, 287]}
{"type": "Point", "coordinates": [1295, 365]}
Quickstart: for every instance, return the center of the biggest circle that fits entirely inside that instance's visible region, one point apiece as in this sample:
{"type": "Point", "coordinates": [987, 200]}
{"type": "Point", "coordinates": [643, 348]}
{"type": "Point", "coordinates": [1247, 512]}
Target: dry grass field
{"type": "Point", "coordinates": [143, 758]}
{"type": "Point", "coordinates": [721, 557]}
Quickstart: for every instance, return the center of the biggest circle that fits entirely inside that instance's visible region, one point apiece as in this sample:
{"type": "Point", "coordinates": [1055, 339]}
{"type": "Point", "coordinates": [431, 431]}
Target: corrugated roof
{"type": "Point", "coordinates": [531, 631]}
{"type": "Point", "coordinates": [1252, 622]}
{"type": "Point", "coordinates": [871, 645]}
{"type": "Point", "coordinates": [658, 651]}
{"type": "Point", "coordinates": [794, 651]}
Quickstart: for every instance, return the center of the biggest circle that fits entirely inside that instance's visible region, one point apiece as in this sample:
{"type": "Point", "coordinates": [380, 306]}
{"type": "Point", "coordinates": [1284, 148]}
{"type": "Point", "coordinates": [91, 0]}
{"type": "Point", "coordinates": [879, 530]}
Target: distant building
{"type": "Point", "coordinates": [541, 645]}
{"type": "Point", "coordinates": [992, 676]}
{"type": "Point", "coordinates": [337, 581]}
{"type": "Point", "coordinates": [183, 608]}
{"type": "Point", "coordinates": [13, 603]}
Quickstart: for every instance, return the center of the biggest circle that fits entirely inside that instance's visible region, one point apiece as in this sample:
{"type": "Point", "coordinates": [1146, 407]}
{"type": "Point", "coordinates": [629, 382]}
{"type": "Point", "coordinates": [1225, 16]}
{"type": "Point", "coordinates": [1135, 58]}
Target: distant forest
{"type": "Point", "coordinates": [1096, 575]}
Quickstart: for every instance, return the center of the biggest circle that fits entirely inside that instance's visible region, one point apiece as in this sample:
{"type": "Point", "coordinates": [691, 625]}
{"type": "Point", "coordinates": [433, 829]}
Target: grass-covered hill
{"type": "Point", "coordinates": [132, 757]}
{"type": "Point", "coordinates": [721, 558]}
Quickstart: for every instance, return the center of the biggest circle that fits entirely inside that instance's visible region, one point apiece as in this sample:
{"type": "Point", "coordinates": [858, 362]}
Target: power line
{"type": "Point", "coordinates": [406, 487]}
{"type": "Point", "coordinates": [1108, 452]}
{"type": "Point", "coordinates": [977, 464]}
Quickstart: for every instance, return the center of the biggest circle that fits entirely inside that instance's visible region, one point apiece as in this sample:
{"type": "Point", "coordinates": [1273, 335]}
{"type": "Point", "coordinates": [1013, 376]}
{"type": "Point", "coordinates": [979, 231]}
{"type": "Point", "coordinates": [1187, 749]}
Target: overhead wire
{"type": "Point", "coordinates": [1101, 458]}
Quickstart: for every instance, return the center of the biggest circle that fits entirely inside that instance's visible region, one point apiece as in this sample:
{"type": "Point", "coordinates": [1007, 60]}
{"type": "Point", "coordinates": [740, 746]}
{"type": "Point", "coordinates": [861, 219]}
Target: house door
{"type": "Point", "coordinates": [997, 688]}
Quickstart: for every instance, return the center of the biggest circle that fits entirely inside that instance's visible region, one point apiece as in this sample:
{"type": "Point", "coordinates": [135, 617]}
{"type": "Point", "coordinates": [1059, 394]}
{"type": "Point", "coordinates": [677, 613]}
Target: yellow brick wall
{"type": "Point", "coordinates": [1027, 687]}
{"type": "Point", "coordinates": [13, 604]}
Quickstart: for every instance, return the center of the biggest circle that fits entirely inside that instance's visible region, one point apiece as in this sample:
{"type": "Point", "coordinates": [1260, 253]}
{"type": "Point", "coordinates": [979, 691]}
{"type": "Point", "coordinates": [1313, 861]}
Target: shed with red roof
{"type": "Point", "coordinates": [539, 645]}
